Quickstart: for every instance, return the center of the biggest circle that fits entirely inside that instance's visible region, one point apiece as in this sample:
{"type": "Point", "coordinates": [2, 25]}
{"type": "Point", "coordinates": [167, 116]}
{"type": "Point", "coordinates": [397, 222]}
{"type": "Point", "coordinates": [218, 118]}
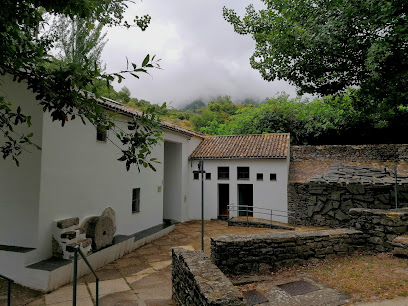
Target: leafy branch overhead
{"type": "Point", "coordinates": [67, 90]}
{"type": "Point", "coordinates": [325, 47]}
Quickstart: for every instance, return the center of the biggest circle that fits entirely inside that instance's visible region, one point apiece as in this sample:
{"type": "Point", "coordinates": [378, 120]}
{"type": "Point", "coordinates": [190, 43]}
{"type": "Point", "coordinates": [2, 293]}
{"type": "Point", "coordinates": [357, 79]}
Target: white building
{"type": "Point", "coordinates": [77, 176]}
{"type": "Point", "coordinates": [247, 171]}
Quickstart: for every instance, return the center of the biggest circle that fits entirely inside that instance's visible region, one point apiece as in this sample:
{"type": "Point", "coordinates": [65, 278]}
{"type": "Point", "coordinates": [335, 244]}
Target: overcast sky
{"type": "Point", "coordinates": [201, 56]}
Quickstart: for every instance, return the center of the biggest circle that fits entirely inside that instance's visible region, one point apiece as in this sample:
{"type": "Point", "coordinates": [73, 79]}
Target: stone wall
{"type": "Point", "coordinates": [264, 253]}
{"type": "Point", "coordinates": [351, 153]}
{"type": "Point", "coordinates": [382, 226]}
{"type": "Point", "coordinates": [197, 281]}
{"type": "Point", "coordinates": [327, 199]}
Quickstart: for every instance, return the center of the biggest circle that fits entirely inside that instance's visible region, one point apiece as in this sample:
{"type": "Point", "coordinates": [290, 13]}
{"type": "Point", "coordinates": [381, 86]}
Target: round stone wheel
{"type": "Point", "coordinates": [101, 230]}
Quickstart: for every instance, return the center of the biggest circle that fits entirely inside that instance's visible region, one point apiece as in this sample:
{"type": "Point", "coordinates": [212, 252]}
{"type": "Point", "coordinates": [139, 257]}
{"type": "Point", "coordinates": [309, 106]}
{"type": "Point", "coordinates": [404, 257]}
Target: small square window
{"type": "Point", "coordinates": [208, 176]}
{"type": "Point", "coordinates": [272, 176]}
{"type": "Point", "coordinates": [135, 200]}
{"type": "Point", "coordinates": [196, 175]}
{"type": "Point", "coordinates": [243, 173]}
{"type": "Point", "coordinates": [259, 176]}
{"type": "Point", "coordinates": [101, 133]}
{"type": "Point", "coordinates": [223, 173]}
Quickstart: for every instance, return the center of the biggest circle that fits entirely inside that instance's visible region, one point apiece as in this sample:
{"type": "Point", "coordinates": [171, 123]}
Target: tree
{"type": "Point", "coordinates": [63, 89]}
{"type": "Point", "coordinates": [79, 41]}
{"type": "Point", "coordinates": [325, 47]}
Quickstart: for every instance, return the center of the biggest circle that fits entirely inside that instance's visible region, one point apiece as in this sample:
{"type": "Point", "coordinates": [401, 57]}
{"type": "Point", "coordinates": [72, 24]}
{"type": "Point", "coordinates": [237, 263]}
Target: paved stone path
{"type": "Point", "coordinates": [143, 277]}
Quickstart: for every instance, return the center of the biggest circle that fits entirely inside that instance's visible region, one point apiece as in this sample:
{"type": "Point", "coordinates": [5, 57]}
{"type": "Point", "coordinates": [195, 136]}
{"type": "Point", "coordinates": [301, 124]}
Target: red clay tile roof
{"type": "Point", "coordinates": [243, 146]}
{"type": "Point", "coordinates": [129, 111]}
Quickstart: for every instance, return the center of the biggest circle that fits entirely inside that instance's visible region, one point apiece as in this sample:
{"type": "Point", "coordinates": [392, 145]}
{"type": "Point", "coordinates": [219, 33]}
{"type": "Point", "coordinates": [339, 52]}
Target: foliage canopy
{"type": "Point", "coordinates": [67, 90]}
{"type": "Point", "coordinates": [325, 47]}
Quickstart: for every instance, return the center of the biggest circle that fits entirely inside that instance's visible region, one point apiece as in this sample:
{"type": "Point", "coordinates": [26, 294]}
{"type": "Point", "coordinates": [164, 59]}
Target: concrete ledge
{"type": "Point", "coordinates": [39, 277]}
{"type": "Point", "coordinates": [197, 281]}
{"type": "Point", "coordinates": [264, 253]}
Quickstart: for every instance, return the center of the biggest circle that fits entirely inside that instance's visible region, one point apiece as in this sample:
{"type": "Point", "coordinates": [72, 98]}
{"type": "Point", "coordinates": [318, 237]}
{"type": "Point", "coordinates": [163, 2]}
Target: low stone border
{"type": "Point", "coordinates": [263, 253]}
{"type": "Point", "coordinates": [382, 226]}
{"type": "Point", "coordinates": [197, 281]}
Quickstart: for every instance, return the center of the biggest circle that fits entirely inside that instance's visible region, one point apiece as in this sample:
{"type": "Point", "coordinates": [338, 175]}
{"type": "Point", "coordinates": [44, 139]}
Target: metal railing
{"type": "Point", "coordinates": [74, 294]}
{"type": "Point", "coordinates": [9, 281]}
{"type": "Point", "coordinates": [248, 209]}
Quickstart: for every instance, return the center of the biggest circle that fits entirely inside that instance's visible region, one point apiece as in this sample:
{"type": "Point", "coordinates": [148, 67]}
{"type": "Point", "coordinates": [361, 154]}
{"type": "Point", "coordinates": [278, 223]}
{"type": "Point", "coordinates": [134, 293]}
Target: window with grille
{"type": "Point", "coordinates": [243, 173]}
{"type": "Point", "coordinates": [223, 173]}
{"type": "Point", "coordinates": [136, 200]}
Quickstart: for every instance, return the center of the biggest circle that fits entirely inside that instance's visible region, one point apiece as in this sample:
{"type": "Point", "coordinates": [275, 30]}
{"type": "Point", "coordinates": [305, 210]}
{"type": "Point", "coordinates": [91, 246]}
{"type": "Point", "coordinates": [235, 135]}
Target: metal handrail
{"type": "Point", "coordinates": [9, 281]}
{"type": "Point", "coordinates": [248, 208]}
{"type": "Point", "coordinates": [76, 251]}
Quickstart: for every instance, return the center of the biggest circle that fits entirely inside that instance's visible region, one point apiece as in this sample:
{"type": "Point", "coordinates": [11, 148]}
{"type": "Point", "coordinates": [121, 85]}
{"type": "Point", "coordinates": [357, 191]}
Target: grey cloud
{"type": "Point", "coordinates": [202, 56]}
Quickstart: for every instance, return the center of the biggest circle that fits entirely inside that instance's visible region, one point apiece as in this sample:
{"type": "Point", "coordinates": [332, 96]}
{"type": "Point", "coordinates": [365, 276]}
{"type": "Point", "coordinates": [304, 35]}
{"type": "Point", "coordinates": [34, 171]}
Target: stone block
{"type": "Point", "coordinates": [384, 198]}
{"type": "Point", "coordinates": [318, 207]}
{"type": "Point", "coordinates": [56, 249]}
{"type": "Point", "coordinates": [339, 215]}
{"type": "Point", "coordinates": [312, 200]}
{"type": "Point", "coordinates": [66, 223]}
{"type": "Point", "coordinates": [336, 204]}
{"type": "Point", "coordinates": [70, 235]}
{"type": "Point", "coordinates": [346, 206]}
{"type": "Point", "coordinates": [355, 188]}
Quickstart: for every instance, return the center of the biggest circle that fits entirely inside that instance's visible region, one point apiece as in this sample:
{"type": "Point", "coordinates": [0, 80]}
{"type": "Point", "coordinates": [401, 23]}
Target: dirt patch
{"type": "Point", "coordinates": [363, 277]}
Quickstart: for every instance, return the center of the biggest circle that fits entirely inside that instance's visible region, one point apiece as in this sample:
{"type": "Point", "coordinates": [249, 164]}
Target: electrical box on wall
{"type": "Point", "coordinates": [159, 188]}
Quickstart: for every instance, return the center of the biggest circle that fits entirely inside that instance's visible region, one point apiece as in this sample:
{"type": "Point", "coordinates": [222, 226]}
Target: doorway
{"type": "Point", "coordinates": [245, 198]}
{"type": "Point", "coordinates": [223, 200]}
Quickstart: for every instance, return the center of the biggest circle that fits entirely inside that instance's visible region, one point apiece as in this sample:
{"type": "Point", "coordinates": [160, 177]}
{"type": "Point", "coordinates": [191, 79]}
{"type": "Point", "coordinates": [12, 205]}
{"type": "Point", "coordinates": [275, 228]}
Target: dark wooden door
{"type": "Point", "coordinates": [223, 199]}
{"type": "Point", "coordinates": [245, 198]}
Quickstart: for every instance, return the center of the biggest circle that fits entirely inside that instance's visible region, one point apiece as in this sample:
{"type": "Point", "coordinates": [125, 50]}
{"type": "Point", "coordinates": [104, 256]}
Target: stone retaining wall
{"type": "Point", "coordinates": [197, 281]}
{"type": "Point", "coordinates": [264, 253]}
{"type": "Point", "coordinates": [327, 199]}
{"type": "Point", "coordinates": [382, 226]}
{"type": "Point", "coordinates": [351, 153]}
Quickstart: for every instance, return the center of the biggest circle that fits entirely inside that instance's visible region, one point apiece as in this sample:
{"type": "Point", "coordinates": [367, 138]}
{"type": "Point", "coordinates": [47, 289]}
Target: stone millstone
{"type": "Point", "coordinates": [110, 213]}
{"type": "Point", "coordinates": [101, 230]}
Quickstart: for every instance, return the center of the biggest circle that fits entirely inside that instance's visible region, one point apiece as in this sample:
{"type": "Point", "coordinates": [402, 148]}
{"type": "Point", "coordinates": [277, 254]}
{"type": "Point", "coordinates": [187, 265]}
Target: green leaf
{"type": "Point", "coordinates": [146, 60]}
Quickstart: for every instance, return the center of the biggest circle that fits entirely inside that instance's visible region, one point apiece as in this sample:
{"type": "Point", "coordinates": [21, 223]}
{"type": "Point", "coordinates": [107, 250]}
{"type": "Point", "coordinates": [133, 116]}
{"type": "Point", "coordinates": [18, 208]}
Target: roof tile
{"type": "Point", "coordinates": [243, 146]}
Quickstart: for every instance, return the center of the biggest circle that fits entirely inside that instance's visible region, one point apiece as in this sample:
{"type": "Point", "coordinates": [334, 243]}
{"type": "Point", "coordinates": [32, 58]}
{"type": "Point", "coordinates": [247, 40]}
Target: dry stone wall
{"type": "Point", "coordinates": [351, 153]}
{"type": "Point", "coordinates": [381, 226]}
{"type": "Point", "coordinates": [326, 200]}
{"type": "Point", "coordinates": [197, 281]}
{"type": "Point", "coordinates": [264, 253]}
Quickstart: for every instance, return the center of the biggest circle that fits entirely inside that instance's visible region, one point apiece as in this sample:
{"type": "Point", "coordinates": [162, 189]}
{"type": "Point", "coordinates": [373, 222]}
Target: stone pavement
{"type": "Point", "coordinates": [143, 277]}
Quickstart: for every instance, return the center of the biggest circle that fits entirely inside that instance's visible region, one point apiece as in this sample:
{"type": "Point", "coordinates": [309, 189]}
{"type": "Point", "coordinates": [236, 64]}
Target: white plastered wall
{"type": "Point", "coordinates": [179, 209]}
{"type": "Point", "coordinates": [81, 177]}
{"type": "Point", "coordinates": [266, 194]}
{"type": "Point", "coordinates": [19, 186]}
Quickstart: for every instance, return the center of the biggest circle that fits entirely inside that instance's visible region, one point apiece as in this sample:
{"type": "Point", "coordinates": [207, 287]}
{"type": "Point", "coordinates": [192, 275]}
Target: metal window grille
{"type": "Point", "coordinates": [243, 173]}
{"type": "Point", "coordinates": [136, 200]}
{"type": "Point", "coordinates": [223, 172]}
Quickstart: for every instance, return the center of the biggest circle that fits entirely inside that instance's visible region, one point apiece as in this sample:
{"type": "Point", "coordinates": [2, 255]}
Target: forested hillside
{"type": "Point", "coordinates": [337, 119]}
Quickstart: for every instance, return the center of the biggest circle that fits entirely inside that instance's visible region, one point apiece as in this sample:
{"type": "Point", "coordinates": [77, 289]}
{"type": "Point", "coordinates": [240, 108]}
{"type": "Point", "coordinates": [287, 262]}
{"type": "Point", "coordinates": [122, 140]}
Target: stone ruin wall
{"type": "Point", "coordinates": [197, 281]}
{"type": "Point", "coordinates": [264, 253]}
{"type": "Point", "coordinates": [327, 181]}
{"type": "Point", "coordinates": [352, 153]}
